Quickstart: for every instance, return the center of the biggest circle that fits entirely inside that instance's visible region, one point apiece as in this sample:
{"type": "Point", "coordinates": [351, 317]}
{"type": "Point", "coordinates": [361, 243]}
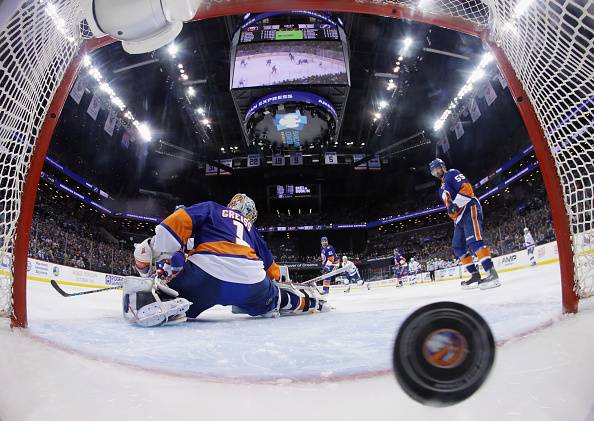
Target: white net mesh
{"type": "Point", "coordinates": [548, 43]}
{"type": "Point", "coordinates": [36, 46]}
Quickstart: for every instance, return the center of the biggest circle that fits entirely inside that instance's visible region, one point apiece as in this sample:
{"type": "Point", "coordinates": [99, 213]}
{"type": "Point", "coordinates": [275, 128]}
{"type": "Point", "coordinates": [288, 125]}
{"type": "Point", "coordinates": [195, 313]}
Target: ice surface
{"type": "Point", "coordinates": [78, 351]}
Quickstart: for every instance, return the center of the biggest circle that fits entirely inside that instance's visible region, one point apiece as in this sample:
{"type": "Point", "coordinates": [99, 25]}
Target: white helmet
{"type": "Point", "coordinates": [244, 205]}
{"type": "Point", "coordinates": [526, 229]}
{"type": "Point", "coordinates": [344, 259]}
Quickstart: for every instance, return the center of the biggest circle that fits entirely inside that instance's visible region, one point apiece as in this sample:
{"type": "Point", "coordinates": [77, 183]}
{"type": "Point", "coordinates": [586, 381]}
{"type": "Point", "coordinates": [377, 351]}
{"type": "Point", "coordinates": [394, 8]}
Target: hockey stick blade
{"type": "Point", "coordinates": [66, 294]}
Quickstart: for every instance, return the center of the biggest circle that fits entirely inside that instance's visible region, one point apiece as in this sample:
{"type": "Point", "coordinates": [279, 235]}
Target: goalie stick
{"type": "Point", "coordinates": [92, 291]}
{"type": "Point", "coordinates": [323, 276]}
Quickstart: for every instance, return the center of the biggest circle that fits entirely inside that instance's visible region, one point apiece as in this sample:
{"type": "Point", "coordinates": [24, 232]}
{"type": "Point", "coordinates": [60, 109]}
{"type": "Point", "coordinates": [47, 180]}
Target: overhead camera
{"type": "Point", "coordinates": [141, 25]}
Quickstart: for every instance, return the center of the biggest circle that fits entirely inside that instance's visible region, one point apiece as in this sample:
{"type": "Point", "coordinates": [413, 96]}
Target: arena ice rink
{"type": "Point", "coordinates": [80, 361]}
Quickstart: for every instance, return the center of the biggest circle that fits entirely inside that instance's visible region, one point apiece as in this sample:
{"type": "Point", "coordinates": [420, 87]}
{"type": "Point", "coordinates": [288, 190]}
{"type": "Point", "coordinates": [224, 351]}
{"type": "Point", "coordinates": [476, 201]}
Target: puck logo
{"type": "Point", "coordinates": [56, 270]}
{"type": "Point", "coordinates": [445, 348]}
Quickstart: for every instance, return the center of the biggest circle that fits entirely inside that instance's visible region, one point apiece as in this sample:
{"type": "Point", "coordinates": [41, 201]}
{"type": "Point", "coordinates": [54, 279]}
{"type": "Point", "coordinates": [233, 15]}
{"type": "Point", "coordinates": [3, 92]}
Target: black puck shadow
{"type": "Point", "coordinates": [443, 353]}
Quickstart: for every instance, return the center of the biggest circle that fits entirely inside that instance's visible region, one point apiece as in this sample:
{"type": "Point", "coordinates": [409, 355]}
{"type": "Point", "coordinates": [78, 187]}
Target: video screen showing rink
{"type": "Point", "coordinates": [290, 62]}
{"type": "Point", "coordinates": [352, 341]}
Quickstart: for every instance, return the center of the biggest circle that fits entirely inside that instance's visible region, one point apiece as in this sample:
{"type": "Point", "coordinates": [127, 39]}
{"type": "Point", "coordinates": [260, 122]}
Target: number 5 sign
{"type": "Point", "coordinates": [330, 158]}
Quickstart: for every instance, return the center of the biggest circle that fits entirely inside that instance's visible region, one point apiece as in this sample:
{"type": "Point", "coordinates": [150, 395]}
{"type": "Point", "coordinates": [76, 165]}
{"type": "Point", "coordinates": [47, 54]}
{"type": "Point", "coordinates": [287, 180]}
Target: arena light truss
{"type": "Point", "coordinates": [477, 74]}
{"type": "Point", "coordinates": [143, 129]}
{"type": "Point", "coordinates": [190, 92]}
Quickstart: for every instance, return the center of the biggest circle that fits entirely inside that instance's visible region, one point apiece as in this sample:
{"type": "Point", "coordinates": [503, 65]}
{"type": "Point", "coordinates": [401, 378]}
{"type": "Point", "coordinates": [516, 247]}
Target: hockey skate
{"type": "Point", "coordinates": [471, 283]}
{"type": "Point", "coordinates": [490, 281]}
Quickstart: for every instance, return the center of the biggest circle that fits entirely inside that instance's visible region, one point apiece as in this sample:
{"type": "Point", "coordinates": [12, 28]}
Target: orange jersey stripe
{"type": "Point", "coordinates": [466, 190]}
{"type": "Point", "coordinates": [225, 247]}
{"type": "Point", "coordinates": [180, 223]}
{"type": "Point", "coordinates": [477, 229]}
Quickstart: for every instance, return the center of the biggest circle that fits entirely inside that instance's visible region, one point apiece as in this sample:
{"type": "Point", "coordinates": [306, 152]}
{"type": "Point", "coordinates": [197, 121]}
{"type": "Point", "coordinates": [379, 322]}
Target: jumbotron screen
{"type": "Point", "coordinates": [289, 63]}
{"type": "Point", "coordinates": [312, 31]}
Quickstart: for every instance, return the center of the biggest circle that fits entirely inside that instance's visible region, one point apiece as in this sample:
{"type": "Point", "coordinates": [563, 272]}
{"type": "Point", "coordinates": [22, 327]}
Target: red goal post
{"type": "Point", "coordinates": [542, 48]}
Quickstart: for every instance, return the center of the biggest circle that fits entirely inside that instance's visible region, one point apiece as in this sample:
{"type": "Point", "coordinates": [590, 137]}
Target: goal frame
{"type": "Point", "coordinates": [210, 10]}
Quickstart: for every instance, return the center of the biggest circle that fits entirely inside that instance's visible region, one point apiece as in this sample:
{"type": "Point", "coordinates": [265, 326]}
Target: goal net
{"type": "Point", "coordinates": [547, 45]}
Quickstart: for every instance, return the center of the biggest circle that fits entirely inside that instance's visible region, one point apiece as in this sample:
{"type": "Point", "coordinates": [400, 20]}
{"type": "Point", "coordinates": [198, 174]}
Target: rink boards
{"type": "Point", "coordinates": [38, 270]}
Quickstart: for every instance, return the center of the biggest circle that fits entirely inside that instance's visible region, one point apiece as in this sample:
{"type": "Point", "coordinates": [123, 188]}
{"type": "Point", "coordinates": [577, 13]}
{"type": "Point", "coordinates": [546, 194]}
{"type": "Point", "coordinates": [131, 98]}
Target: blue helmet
{"type": "Point", "coordinates": [436, 163]}
{"type": "Point", "coordinates": [324, 239]}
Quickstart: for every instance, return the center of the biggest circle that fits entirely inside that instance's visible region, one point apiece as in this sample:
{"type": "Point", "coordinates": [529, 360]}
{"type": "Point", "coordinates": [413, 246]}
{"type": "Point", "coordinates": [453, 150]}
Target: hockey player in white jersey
{"type": "Point", "coordinates": [529, 244]}
{"type": "Point", "coordinates": [352, 274]}
{"type": "Point", "coordinates": [414, 267]}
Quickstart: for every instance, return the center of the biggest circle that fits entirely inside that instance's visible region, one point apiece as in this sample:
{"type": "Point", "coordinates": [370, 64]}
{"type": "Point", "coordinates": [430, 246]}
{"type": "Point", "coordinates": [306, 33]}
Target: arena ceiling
{"type": "Point", "coordinates": [436, 65]}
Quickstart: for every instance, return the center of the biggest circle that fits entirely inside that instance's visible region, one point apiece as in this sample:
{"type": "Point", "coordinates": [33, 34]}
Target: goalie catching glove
{"type": "Point", "coordinates": [148, 302]}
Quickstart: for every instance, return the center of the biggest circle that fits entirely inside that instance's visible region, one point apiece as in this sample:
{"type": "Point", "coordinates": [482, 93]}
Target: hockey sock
{"type": "Point", "coordinates": [294, 302]}
{"type": "Point", "coordinates": [468, 264]}
{"type": "Point", "coordinates": [484, 255]}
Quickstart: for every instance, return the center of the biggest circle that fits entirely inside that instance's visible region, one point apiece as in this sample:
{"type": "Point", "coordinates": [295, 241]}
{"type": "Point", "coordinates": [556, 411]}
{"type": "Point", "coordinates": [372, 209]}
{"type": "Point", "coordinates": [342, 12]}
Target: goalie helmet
{"type": "Point", "coordinates": [243, 204]}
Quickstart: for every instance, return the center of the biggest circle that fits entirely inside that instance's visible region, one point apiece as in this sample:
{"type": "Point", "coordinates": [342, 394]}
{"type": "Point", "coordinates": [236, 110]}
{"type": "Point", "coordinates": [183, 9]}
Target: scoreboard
{"type": "Point", "coordinates": [288, 32]}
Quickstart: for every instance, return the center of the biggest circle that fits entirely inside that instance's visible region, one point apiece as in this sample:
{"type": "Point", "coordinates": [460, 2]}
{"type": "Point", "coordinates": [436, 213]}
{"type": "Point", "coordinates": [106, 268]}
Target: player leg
{"type": "Point", "coordinates": [360, 281]}
{"type": "Point", "coordinates": [347, 282]}
{"type": "Point", "coordinates": [474, 238]}
{"type": "Point", "coordinates": [326, 282]}
{"type": "Point", "coordinates": [531, 256]}
{"type": "Point", "coordinates": [461, 252]}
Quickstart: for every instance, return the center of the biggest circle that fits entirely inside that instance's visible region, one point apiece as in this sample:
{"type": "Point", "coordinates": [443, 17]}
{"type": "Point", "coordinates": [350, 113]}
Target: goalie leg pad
{"type": "Point", "coordinates": [300, 300]}
{"type": "Point", "coordinates": [161, 313]}
{"type": "Point", "coordinates": [147, 303]}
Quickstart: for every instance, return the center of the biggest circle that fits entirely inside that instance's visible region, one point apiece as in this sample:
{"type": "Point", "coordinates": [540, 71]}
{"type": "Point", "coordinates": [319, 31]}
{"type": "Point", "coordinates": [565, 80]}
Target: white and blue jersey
{"type": "Point", "coordinates": [352, 273]}
{"type": "Point", "coordinates": [228, 262]}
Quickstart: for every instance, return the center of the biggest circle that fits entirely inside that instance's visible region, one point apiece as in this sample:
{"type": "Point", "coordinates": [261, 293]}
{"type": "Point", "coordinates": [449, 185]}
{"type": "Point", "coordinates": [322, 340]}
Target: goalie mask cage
{"type": "Point", "coordinates": [542, 47]}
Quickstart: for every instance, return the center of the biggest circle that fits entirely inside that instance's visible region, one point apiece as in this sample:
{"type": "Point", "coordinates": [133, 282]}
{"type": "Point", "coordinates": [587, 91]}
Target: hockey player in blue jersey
{"type": "Point", "coordinates": [400, 267]}
{"type": "Point", "coordinates": [466, 212]}
{"type": "Point", "coordinates": [329, 261]}
{"type": "Point", "coordinates": [227, 263]}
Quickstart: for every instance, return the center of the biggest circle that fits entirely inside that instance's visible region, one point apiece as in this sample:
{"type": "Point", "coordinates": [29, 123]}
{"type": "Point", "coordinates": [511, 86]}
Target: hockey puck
{"type": "Point", "coordinates": [443, 353]}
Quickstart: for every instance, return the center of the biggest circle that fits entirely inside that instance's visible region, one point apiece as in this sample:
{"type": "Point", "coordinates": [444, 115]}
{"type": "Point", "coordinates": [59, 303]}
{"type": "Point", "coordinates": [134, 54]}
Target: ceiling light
{"type": "Point", "coordinates": [407, 43]}
{"type": "Point", "coordinates": [180, 66]}
{"type": "Point", "coordinates": [205, 121]}
{"type": "Point", "coordinates": [377, 115]}
{"type": "Point", "coordinates": [172, 50]}
{"type": "Point", "coordinates": [144, 131]}
{"type": "Point", "coordinates": [191, 92]}
{"type": "Point", "coordinates": [184, 77]}
{"type": "Point", "coordinates": [200, 111]}
{"type": "Point", "coordinates": [181, 71]}
{"type": "Point", "coordinates": [382, 104]}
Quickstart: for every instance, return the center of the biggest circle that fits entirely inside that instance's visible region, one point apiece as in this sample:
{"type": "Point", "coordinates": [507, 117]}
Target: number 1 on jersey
{"type": "Point", "coordinates": [239, 234]}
